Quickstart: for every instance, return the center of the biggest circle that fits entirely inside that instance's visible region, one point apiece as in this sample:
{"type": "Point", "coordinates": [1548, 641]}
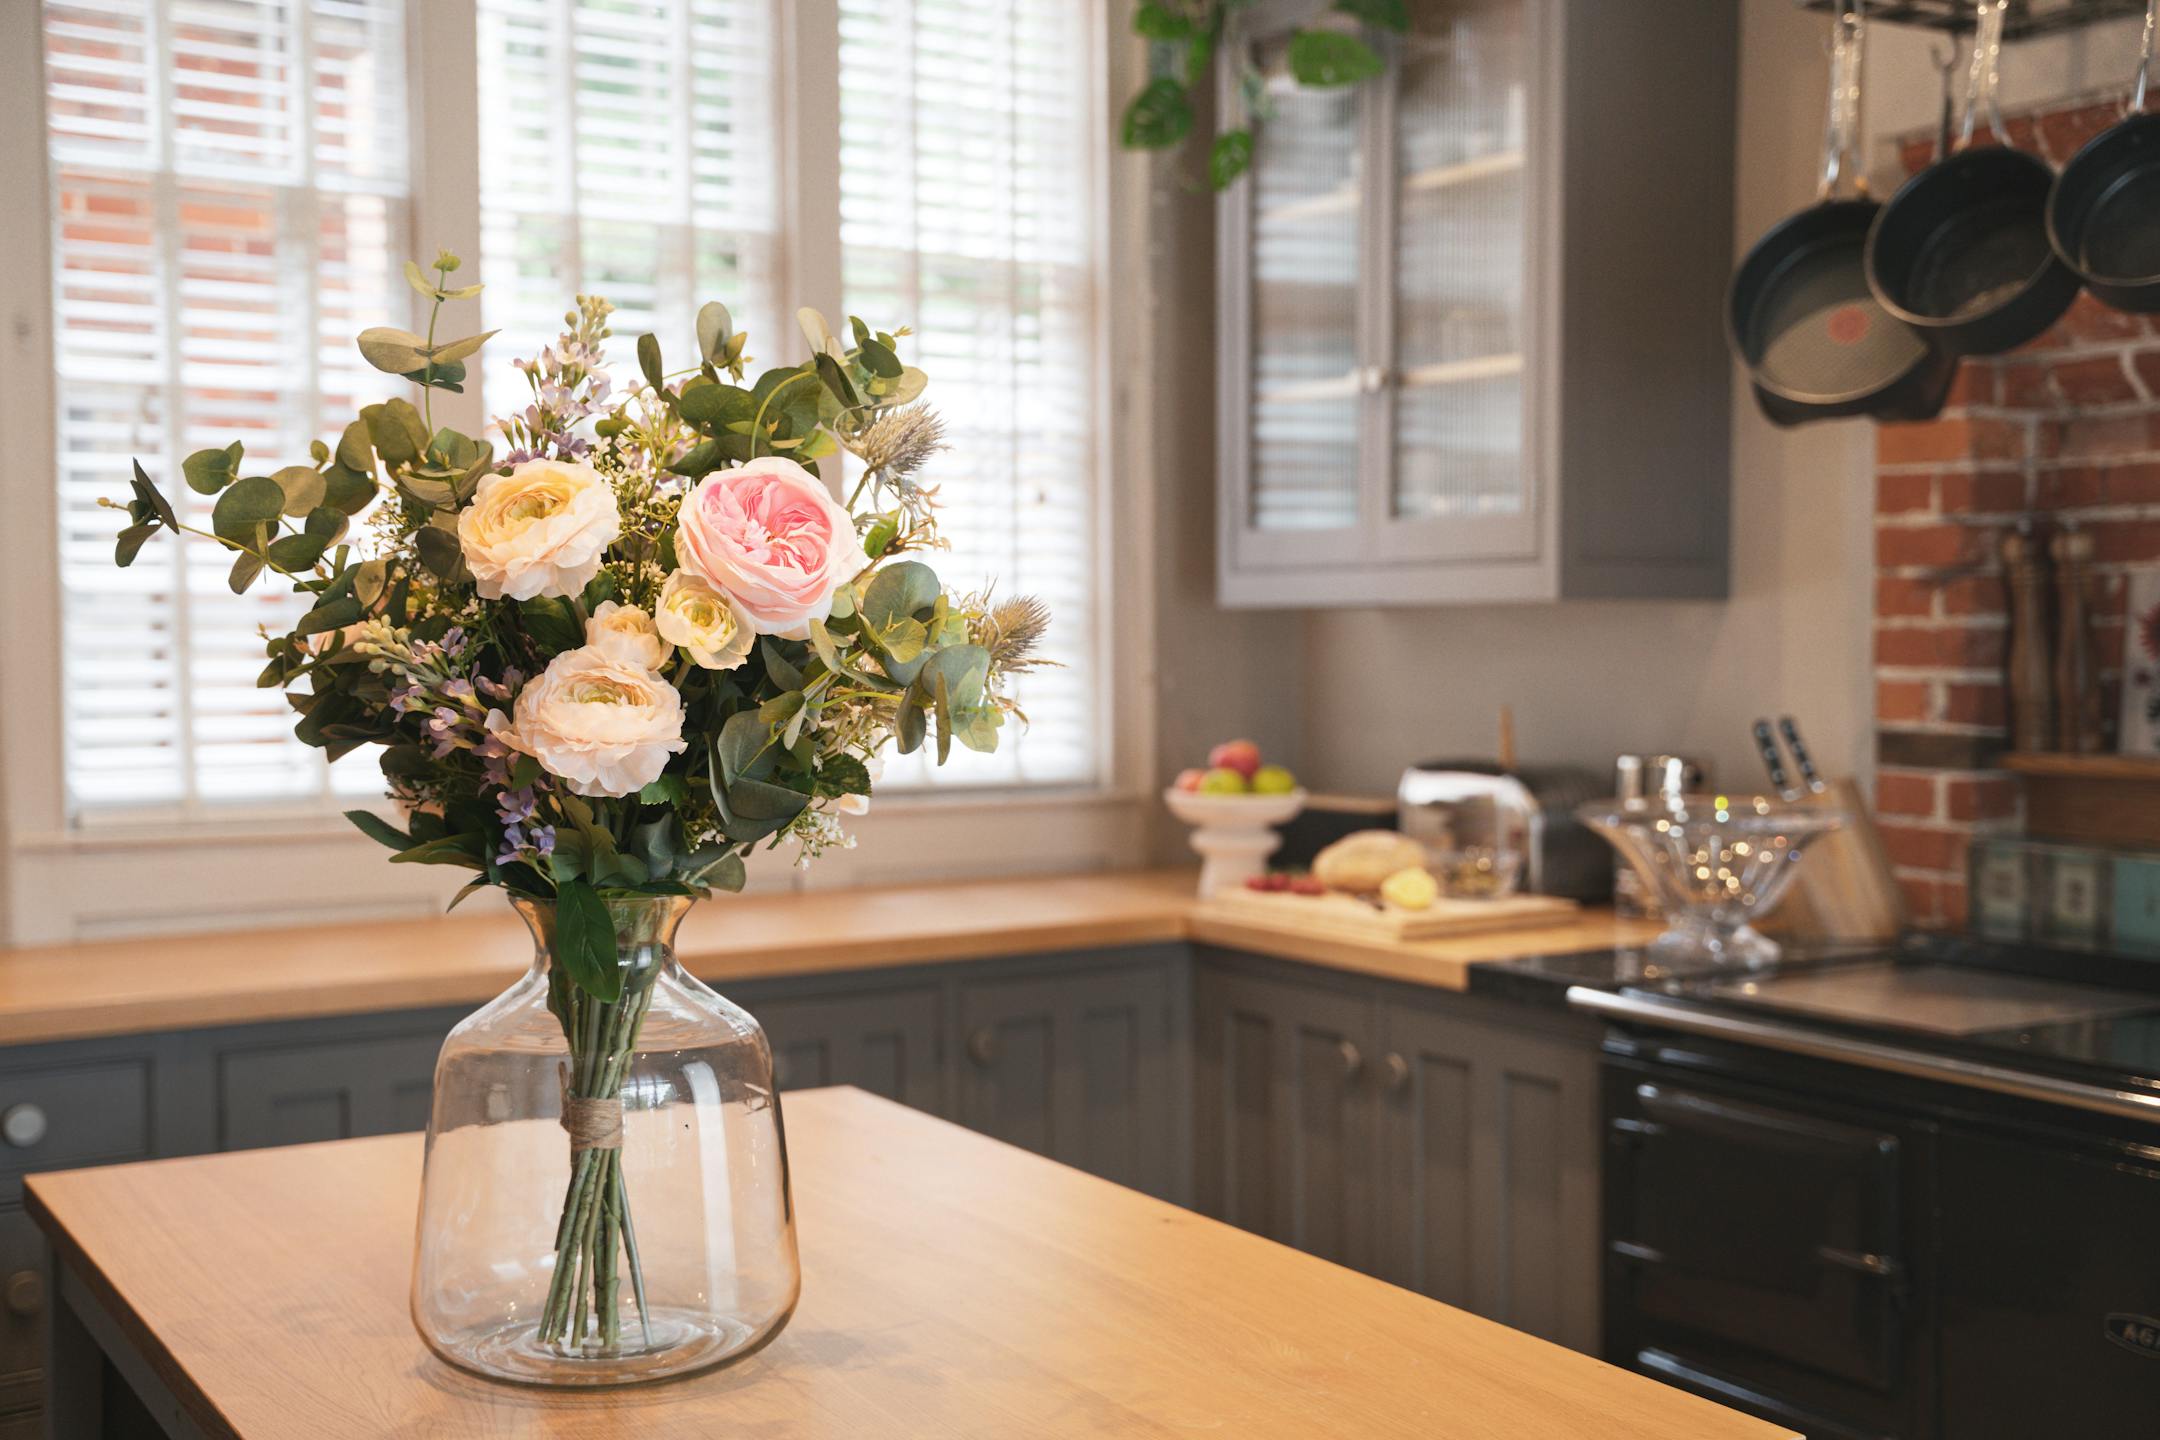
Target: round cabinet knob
{"type": "Point", "coordinates": [1398, 1073]}
{"type": "Point", "coordinates": [26, 1292]}
{"type": "Point", "coordinates": [1353, 1060]}
{"type": "Point", "coordinates": [982, 1047]}
{"type": "Point", "coordinates": [22, 1126]}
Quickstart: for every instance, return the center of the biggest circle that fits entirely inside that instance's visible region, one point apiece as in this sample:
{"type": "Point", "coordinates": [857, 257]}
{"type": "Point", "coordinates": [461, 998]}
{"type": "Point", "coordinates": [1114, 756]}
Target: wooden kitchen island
{"type": "Point", "coordinates": [952, 1286]}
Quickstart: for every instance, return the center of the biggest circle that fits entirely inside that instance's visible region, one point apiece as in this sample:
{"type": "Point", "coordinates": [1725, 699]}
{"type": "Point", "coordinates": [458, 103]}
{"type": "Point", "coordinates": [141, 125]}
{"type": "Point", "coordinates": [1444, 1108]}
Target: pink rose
{"type": "Point", "coordinates": [769, 534]}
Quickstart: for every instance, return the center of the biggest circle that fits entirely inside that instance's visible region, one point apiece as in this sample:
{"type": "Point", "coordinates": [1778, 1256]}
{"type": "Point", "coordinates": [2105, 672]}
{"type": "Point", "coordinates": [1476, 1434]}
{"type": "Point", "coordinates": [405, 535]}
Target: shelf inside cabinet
{"type": "Point", "coordinates": [1460, 372]}
{"type": "Point", "coordinates": [1344, 199]}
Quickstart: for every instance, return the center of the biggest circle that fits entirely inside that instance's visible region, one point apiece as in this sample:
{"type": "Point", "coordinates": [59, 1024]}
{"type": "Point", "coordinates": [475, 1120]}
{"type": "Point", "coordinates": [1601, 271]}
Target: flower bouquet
{"type": "Point", "coordinates": [604, 665]}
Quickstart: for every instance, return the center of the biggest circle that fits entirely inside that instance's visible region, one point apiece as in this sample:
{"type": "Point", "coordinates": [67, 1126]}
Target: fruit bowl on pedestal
{"type": "Point", "coordinates": [1234, 833]}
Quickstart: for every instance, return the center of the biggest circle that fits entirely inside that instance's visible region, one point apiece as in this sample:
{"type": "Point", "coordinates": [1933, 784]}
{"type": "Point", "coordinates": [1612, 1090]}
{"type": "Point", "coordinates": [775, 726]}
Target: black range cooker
{"type": "Point", "coordinates": [1907, 1195]}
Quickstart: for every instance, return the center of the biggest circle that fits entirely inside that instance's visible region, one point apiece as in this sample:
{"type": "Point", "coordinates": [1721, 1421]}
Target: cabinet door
{"type": "Point", "coordinates": [293, 1095]}
{"type": "Point", "coordinates": [1298, 376]}
{"type": "Point", "coordinates": [886, 1041]}
{"type": "Point", "coordinates": [1457, 321]}
{"type": "Point", "coordinates": [1287, 1113]}
{"type": "Point", "coordinates": [1491, 1141]}
{"type": "Point", "coordinates": [1076, 1067]}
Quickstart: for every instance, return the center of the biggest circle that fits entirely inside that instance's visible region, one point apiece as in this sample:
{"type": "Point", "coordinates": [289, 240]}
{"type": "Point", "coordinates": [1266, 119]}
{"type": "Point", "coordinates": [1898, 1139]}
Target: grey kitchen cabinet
{"type": "Point", "coordinates": [1080, 1066]}
{"type": "Point", "coordinates": [1470, 313]}
{"type": "Point", "coordinates": [1289, 1125]}
{"type": "Point", "coordinates": [290, 1095]}
{"type": "Point", "coordinates": [1447, 1145]}
{"type": "Point", "coordinates": [887, 1040]}
{"type": "Point", "coordinates": [1490, 1167]}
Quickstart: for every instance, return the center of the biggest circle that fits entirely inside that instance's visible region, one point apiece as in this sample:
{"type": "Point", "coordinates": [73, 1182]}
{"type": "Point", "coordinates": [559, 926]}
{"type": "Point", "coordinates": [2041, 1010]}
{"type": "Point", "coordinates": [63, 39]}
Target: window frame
{"type": "Point", "coordinates": [63, 878]}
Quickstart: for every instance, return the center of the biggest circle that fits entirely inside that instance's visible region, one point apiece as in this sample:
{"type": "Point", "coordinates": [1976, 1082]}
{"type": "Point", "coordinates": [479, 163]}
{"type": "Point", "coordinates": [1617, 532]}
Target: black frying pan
{"type": "Point", "coordinates": [1961, 252]}
{"type": "Point", "coordinates": [1817, 343]}
{"type": "Point", "coordinates": [2104, 215]}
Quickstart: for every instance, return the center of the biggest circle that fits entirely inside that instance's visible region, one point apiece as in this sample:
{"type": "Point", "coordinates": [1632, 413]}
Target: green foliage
{"type": "Point", "coordinates": [585, 941]}
{"type": "Point", "coordinates": [1330, 59]}
{"type": "Point", "coordinates": [1186, 36]}
{"type": "Point", "coordinates": [209, 471]}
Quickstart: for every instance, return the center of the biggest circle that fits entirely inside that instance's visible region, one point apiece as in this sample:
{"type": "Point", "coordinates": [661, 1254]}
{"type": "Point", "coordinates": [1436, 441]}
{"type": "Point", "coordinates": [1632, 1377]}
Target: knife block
{"type": "Point", "coordinates": [1846, 891]}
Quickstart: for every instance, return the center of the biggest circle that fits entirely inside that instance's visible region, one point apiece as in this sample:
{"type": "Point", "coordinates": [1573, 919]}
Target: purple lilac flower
{"type": "Point", "coordinates": [543, 839]}
{"type": "Point", "coordinates": [401, 699]}
{"type": "Point", "coordinates": [513, 842]}
{"type": "Point", "coordinates": [458, 690]}
{"type": "Point", "coordinates": [516, 806]}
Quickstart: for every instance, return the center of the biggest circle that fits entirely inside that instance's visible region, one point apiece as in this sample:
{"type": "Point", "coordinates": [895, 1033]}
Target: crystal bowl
{"type": "Point", "coordinates": [1715, 862]}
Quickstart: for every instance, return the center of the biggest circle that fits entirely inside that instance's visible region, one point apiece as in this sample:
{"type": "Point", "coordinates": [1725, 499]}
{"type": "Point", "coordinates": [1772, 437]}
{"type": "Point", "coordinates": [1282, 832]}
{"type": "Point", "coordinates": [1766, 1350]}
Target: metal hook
{"type": "Point", "coordinates": [1986, 73]}
{"type": "Point", "coordinates": [2145, 56]}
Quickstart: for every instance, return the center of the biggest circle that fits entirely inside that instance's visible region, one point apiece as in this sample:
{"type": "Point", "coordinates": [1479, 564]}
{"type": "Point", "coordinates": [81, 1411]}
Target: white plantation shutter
{"type": "Point", "coordinates": [631, 149]}
{"type": "Point", "coordinates": [229, 208]}
{"type": "Point", "coordinates": [969, 137]}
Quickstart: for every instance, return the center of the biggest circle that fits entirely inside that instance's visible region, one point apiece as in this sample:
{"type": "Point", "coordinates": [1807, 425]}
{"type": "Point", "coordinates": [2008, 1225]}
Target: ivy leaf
{"type": "Point", "coordinates": [1153, 20]}
{"type": "Point", "coordinates": [1159, 116]}
{"type": "Point", "coordinates": [1380, 14]}
{"type": "Point", "coordinates": [585, 941]}
{"type": "Point", "coordinates": [1229, 157]}
{"type": "Point", "coordinates": [1327, 59]}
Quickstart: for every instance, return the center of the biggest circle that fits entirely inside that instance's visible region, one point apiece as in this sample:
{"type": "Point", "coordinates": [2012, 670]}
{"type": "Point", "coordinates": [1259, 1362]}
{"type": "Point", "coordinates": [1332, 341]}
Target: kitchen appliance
{"type": "Point", "coordinates": [2104, 215]}
{"type": "Point", "coordinates": [1960, 253]}
{"type": "Point", "coordinates": [1521, 815]}
{"type": "Point", "coordinates": [1903, 1195]}
{"type": "Point", "coordinates": [1817, 342]}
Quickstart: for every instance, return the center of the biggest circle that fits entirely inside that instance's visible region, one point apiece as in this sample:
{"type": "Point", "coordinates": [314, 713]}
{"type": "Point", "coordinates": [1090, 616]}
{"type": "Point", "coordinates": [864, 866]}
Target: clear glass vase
{"type": "Point", "coordinates": [606, 1198]}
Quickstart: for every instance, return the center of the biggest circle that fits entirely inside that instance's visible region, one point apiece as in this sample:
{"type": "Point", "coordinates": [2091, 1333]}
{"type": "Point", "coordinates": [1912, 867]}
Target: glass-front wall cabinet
{"type": "Point", "coordinates": [1471, 311]}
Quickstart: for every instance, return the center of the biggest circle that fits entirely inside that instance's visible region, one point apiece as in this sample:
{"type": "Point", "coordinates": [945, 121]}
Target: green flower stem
{"type": "Point", "coordinates": [595, 1230]}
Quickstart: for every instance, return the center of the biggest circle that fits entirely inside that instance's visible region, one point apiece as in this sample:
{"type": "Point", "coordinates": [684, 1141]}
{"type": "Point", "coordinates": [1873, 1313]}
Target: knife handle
{"type": "Point", "coordinates": [1773, 762]}
{"type": "Point", "coordinates": [1806, 764]}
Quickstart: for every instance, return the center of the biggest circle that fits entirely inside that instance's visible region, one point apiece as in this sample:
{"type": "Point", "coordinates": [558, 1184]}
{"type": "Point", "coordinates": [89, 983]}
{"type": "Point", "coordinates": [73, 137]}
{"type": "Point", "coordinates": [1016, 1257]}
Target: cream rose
{"type": "Point", "coordinates": [626, 633]}
{"type": "Point", "coordinates": [771, 535]}
{"type": "Point", "coordinates": [539, 530]}
{"type": "Point", "coordinates": [706, 622]}
{"type": "Point", "coordinates": [604, 727]}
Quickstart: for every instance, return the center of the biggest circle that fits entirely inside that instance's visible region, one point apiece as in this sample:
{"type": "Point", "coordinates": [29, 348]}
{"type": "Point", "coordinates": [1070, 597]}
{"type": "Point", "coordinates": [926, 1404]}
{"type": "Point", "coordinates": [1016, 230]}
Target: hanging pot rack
{"type": "Point", "coordinates": [2028, 19]}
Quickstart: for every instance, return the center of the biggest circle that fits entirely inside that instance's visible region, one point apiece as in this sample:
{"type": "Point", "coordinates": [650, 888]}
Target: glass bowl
{"type": "Point", "coordinates": [1715, 862]}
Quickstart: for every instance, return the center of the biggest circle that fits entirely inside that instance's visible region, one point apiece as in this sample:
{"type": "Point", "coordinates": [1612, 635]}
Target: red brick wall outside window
{"type": "Point", "coordinates": [2066, 427]}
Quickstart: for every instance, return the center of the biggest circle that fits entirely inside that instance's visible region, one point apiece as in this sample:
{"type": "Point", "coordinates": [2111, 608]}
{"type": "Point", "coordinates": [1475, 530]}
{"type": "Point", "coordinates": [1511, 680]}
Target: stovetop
{"type": "Point", "coordinates": [2083, 1016]}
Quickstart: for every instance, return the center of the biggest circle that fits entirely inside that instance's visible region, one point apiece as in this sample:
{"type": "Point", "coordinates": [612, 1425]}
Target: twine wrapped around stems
{"type": "Point", "coordinates": [594, 1124]}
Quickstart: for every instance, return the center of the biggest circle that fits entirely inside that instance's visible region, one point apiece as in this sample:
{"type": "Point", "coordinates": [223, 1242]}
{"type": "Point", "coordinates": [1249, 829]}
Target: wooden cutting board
{"type": "Point", "coordinates": [1338, 914]}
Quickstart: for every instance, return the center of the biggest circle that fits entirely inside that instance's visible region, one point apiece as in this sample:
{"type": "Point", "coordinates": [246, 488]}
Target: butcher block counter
{"type": "Point", "coordinates": [245, 977]}
{"type": "Point", "coordinates": [953, 1286]}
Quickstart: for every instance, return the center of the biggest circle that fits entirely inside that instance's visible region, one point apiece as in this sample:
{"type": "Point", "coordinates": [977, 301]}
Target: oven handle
{"type": "Point", "coordinates": [1972, 1074]}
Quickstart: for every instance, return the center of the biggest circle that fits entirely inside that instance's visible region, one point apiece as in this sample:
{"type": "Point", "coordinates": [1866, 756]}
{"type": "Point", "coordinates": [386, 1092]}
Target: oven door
{"type": "Point", "coordinates": [1761, 1252]}
{"type": "Point", "coordinates": [2050, 1290]}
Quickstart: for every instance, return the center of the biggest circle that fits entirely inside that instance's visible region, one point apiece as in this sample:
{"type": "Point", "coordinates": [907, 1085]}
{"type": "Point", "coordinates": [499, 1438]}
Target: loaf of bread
{"type": "Point", "coordinates": [1362, 861]}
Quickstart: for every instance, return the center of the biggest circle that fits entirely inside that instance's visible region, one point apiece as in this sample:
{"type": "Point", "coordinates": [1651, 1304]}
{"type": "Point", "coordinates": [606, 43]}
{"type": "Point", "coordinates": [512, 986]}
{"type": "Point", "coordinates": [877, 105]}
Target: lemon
{"type": "Point", "coordinates": [1412, 889]}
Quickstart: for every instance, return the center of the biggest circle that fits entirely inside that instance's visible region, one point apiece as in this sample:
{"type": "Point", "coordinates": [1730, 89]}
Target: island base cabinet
{"type": "Point", "coordinates": [1440, 1145]}
{"type": "Point", "coordinates": [1078, 1067]}
{"type": "Point", "coordinates": [883, 1041]}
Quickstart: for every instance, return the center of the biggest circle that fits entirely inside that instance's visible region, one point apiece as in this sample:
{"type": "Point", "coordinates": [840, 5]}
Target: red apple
{"type": "Point", "coordinates": [1242, 756]}
{"type": "Point", "coordinates": [1188, 781]}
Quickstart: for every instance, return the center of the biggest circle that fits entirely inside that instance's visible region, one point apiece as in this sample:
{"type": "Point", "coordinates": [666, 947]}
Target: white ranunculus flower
{"type": "Point", "coordinates": [703, 620]}
{"type": "Point", "coordinates": [539, 530]}
{"type": "Point", "coordinates": [604, 727]}
{"type": "Point", "coordinates": [627, 634]}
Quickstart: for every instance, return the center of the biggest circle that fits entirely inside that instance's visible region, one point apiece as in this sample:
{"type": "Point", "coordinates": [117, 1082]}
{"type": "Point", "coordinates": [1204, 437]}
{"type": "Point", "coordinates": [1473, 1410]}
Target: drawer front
{"type": "Point", "coordinates": [333, 1091]}
{"type": "Point", "coordinates": [70, 1115]}
{"type": "Point", "coordinates": [23, 1303]}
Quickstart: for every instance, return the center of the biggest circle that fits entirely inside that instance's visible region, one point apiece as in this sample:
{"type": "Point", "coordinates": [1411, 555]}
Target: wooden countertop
{"type": "Point", "coordinates": [953, 1286]}
{"type": "Point", "coordinates": [124, 986]}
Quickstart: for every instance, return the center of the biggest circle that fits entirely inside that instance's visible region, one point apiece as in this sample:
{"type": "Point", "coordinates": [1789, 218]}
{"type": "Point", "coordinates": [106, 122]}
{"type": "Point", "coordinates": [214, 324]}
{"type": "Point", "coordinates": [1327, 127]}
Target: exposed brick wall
{"type": "Point", "coordinates": [2066, 427]}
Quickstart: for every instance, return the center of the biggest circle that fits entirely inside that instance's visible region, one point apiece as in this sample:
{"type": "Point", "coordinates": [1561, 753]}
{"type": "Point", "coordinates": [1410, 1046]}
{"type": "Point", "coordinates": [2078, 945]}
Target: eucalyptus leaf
{"type": "Point", "coordinates": [440, 375]}
{"type": "Point", "coordinates": [398, 352]}
{"type": "Point", "coordinates": [397, 431]}
{"type": "Point", "coordinates": [209, 471]}
{"type": "Point", "coordinates": [326, 522]}
{"type": "Point", "coordinates": [292, 553]}
{"type": "Point", "coordinates": [245, 567]}
{"type": "Point", "coordinates": [450, 352]}
{"type": "Point", "coordinates": [153, 499]}
{"type": "Point", "coordinates": [439, 551]}
{"type": "Point", "coordinates": [370, 581]}
{"type": "Point", "coordinates": [130, 543]}
{"type": "Point", "coordinates": [248, 503]}
{"type": "Point", "coordinates": [355, 450]}
{"type": "Point", "coordinates": [648, 359]}
{"type": "Point", "coordinates": [348, 490]}
{"type": "Point", "coordinates": [304, 488]}
{"type": "Point", "coordinates": [714, 326]}
{"type": "Point", "coordinates": [760, 800]}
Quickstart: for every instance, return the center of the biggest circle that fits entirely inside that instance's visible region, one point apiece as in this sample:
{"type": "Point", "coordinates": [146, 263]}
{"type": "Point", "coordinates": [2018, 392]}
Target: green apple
{"type": "Point", "coordinates": [1222, 780]}
{"type": "Point", "coordinates": [1273, 780]}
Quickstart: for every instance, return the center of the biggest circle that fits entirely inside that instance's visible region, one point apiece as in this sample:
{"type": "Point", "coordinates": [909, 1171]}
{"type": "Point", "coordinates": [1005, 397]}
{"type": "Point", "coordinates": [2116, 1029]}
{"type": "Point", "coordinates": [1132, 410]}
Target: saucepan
{"type": "Point", "coordinates": [1961, 252]}
{"type": "Point", "coordinates": [1817, 342]}
{"type": "Point", "coordinates": [2104, 216]}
